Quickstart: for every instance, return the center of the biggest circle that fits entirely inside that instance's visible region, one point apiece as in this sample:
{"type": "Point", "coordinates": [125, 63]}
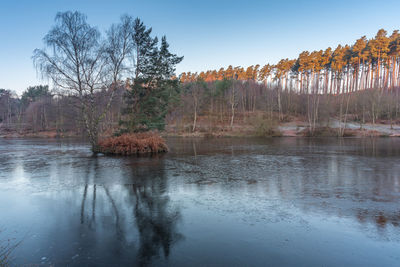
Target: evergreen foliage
{"type": "Point", "coordinates": [33, 93]}
{"type": "Point", "coordinates": [153, 90]}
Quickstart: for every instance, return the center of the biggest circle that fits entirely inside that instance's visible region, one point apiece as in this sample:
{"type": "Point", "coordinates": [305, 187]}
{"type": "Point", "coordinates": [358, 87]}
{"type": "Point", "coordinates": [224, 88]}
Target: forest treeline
{"type": "Point", "coordinates": [358, 83]}
{"type": "Point", "coordinates": [366, 64]}
{"type": "Point", "coordinates": [361, 80]}
{"type": "Point", "coordinates": [205, 107]}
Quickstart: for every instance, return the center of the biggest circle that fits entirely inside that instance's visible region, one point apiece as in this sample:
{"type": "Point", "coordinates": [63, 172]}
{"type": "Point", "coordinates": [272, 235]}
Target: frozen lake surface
{"type": "Point", "coordinates": [208, 202]}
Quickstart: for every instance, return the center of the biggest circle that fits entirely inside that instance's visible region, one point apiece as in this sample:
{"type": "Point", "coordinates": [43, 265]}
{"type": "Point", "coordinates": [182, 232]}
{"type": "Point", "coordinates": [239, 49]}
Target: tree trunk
{"type": "Point", "coordinates": [195, 114]}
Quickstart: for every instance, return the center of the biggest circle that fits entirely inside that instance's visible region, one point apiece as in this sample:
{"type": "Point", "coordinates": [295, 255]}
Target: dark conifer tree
{"type": "Point", "coordinates": [153, 89]}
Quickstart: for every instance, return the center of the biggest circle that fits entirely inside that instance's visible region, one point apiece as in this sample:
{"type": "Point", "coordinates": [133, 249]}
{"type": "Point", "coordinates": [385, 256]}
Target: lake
{"type": "Point", "coordinates": [208, 202]}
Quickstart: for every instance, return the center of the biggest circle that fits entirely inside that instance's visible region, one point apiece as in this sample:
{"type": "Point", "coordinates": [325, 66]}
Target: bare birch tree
{"type": "Point", "coordinates": [81, 64]}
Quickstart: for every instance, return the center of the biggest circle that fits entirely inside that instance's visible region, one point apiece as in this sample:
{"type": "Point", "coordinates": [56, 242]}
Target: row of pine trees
{"type": "Point", "coordinates": [366, 64]}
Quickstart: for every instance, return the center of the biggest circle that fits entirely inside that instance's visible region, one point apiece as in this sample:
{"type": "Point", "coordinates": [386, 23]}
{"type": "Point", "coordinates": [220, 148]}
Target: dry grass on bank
{"type": "Point", "coordinates": [265, 126]}
{"type": "Point", "coordinates": [133, 144]}
{"type": "Point", "coordinates": [327, 132]}
{"type": "Point", "coordinates": [334, 132]}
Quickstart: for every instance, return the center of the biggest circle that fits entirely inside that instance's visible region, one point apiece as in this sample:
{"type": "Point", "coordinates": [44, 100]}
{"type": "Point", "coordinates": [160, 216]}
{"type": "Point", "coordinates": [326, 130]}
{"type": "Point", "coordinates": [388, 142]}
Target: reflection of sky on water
{"type": "Point", "coordinates": [276, 200]}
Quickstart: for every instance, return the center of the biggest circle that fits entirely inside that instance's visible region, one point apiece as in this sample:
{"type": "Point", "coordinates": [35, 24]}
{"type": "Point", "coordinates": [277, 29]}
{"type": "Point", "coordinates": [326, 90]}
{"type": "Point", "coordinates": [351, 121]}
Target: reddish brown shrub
{"type": "Point", "coordinates": [133, 144]}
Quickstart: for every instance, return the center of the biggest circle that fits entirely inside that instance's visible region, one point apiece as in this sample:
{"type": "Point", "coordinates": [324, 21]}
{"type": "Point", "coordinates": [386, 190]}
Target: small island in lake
{"type": "Point", "coordinates": [133, 144]}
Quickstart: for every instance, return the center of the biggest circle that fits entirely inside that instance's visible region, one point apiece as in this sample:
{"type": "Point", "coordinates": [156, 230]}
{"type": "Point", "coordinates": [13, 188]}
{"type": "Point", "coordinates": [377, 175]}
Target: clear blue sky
{"type": "Point", "coordinates": [210, 34]}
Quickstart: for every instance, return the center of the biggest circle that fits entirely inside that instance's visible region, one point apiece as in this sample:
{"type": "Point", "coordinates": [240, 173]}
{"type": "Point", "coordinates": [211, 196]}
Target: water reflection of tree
{"type": "Point", "coordinates": [146, 200]}
{"type": "Point", "coordinates": [155, 222]}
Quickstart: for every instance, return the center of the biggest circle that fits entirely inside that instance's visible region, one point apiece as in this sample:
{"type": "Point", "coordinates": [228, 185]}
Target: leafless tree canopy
{"type": "Point", "coordinates": [81, 63]}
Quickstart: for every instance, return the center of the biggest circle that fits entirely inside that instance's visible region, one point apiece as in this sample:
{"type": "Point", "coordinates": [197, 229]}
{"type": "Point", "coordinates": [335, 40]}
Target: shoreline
{"type": "Point", "coordinates": [290, 129]}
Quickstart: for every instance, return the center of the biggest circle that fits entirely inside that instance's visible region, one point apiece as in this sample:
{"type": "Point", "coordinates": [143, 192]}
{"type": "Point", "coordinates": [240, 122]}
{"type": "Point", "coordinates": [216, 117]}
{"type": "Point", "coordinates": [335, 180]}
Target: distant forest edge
{"type": "Point", "coordinates": [366, 64]}
{"type": "Point", "coordinates": [319, 93]}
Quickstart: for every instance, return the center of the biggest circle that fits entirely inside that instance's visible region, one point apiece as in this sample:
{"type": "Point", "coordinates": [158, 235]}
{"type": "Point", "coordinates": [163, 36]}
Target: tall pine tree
{"type": "Point", "coordinates": [153, 89]}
